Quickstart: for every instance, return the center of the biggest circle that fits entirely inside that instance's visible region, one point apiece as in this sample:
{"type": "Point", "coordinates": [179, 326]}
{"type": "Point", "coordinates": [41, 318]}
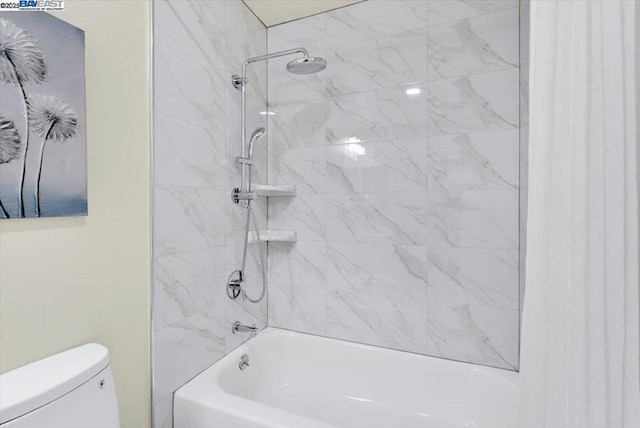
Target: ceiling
{"type": "Point", "coordinates": [274, 12]}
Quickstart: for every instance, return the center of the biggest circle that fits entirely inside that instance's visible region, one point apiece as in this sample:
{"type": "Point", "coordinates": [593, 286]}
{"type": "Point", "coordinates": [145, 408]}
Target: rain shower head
{"type": "Point", "coordinates": [255, 136]}
{"type": "Point", "coordinates": [307, 65]}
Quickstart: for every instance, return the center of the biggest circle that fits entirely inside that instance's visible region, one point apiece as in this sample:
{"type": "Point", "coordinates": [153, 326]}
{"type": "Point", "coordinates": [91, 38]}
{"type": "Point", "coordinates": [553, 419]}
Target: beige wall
{"type": "Point", "coordinates": [69, 281]}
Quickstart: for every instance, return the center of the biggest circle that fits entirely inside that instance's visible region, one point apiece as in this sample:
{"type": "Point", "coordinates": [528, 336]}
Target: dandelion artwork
{"type": "Point", "coordinates": [43, 165]}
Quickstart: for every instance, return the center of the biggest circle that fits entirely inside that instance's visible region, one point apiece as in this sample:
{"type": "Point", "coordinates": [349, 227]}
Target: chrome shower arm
{"type": "Point", "coordinates": [242, 80]}
{"type": "Point", "coordinates": [272, 56]}
{"type": "Point", "coordinates": [240, 83]}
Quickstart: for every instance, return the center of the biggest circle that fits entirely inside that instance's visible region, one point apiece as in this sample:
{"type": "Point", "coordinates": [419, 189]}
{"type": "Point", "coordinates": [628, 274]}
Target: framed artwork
{"type": "Point", "coordinates": [43, 161]}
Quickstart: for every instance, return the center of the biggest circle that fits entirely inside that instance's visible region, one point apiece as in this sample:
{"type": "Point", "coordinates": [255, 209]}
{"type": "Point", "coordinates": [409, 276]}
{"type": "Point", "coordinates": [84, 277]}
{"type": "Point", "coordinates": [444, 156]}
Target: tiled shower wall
{"type": "Point", "coordinates": [405, 153]}
{"type": "Point", "coordinates": [198, 45]}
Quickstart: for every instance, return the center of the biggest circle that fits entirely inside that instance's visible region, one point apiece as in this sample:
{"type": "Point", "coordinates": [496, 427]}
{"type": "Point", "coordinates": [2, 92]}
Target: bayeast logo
{"type": "Point", "coordinates": [41, 4]}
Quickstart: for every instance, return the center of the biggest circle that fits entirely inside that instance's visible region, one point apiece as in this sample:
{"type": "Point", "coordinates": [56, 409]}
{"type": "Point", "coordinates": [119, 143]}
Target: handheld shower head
{"type": "Point", "coordinates": [255, 136]}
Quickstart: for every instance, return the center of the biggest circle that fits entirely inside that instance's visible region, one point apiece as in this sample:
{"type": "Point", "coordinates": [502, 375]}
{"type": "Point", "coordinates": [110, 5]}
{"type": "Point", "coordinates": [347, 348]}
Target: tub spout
{"type": "Point", "coordinates": [239, 328]}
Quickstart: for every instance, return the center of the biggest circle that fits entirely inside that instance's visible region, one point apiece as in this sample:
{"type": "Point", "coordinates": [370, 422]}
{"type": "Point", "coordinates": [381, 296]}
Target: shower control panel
{"type": "Point", "coordinates": [237, 195]}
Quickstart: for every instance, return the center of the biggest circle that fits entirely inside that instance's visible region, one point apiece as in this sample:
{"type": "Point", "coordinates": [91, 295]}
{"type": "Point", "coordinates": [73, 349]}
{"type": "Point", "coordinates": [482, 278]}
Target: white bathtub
{"type": "Point", "coordinates": [301, 381]}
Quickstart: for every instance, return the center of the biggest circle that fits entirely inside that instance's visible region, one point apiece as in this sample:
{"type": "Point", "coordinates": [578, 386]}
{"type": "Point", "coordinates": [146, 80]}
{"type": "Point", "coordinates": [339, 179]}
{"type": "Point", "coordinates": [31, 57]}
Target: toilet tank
{"type": "Point", "coordinates": [73, 389]}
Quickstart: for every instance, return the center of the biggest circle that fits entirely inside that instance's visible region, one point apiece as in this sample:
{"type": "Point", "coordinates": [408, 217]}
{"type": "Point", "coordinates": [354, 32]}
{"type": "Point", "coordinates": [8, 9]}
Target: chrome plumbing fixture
{"type": "Point", "coordinates": [237, 195]}
{"type": "Point", "coordinates": [234, 285]}
{"type": "Point", "coordinates": [240, 328]}
{"type": "Point", "coordinates": [306, 65]}
{"type": "Point", "coordinates": [244, 194]}
{"type": "Point", "coordinates": [244, 362]}
{"type": "Point", "coordinates": [255, 136]}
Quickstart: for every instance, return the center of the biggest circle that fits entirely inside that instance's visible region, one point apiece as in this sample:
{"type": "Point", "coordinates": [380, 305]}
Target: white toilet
{"type": "Point", "coordinates": [73, 389]}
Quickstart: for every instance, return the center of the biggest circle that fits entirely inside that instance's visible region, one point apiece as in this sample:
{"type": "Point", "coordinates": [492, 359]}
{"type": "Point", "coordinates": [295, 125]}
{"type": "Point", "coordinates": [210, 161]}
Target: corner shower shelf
{"type": "Point", "coordinates": [275, 190]}
{"type": "Point", "coordinates": [274, 236]}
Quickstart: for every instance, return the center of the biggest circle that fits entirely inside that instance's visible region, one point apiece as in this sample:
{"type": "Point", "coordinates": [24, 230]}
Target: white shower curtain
{"type": "Point", "coordinates": [580, 334]}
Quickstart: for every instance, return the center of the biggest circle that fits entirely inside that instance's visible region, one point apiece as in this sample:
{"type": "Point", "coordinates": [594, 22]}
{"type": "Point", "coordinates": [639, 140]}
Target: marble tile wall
{"type": "Point", "coordinates": [405, 152]}
{"type": "Point", "coordinates": [198, 45]}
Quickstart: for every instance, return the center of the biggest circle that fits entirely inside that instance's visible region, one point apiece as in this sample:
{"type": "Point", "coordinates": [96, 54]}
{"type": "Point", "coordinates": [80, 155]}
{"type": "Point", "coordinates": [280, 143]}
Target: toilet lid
{"type": "Point", "coordinates": [32, 386]}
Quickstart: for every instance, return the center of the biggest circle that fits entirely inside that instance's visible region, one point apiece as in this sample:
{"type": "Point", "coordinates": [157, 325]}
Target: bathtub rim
{"type": "Point", "coordinates": [206, 389]}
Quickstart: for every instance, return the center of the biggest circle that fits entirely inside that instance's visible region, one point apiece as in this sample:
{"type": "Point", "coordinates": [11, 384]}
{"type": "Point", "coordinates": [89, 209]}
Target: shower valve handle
{"type": "Point", "coordinates": [237, 195]}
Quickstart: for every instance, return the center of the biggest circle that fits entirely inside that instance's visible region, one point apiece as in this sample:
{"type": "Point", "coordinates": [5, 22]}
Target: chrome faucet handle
{"type": "Point", "coordinates": [244, 362]}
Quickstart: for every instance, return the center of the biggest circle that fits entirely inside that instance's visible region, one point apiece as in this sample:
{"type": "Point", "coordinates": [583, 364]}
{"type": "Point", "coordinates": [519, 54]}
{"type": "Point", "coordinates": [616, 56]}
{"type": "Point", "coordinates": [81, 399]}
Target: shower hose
{"type": "Point", "coordinates": [251, 215]}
